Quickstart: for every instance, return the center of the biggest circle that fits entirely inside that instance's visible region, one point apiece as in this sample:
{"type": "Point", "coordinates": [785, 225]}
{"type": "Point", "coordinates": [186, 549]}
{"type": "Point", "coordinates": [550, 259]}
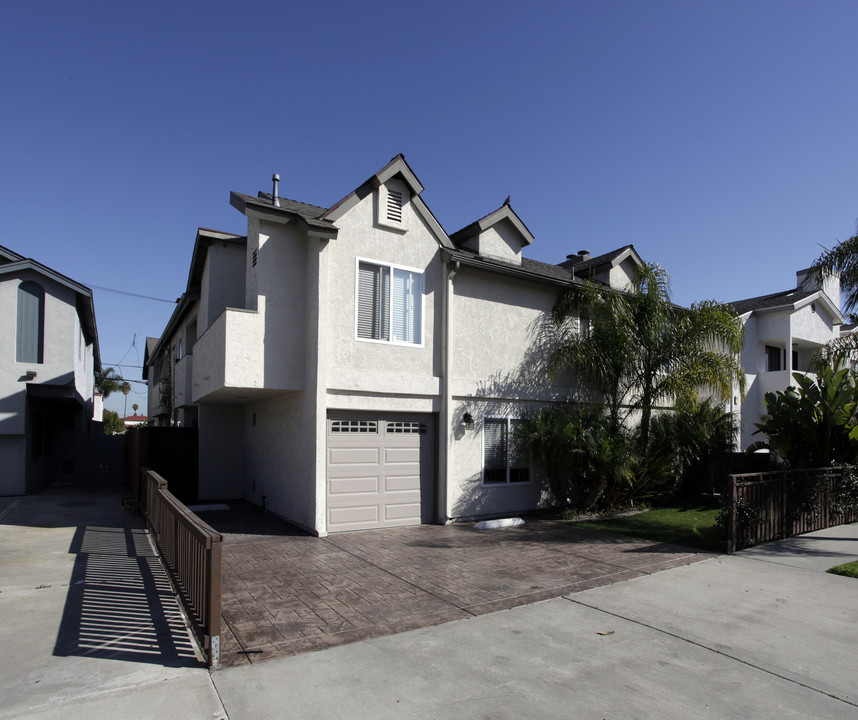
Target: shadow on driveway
{"type": "Point", "coordinates": [120, 604]}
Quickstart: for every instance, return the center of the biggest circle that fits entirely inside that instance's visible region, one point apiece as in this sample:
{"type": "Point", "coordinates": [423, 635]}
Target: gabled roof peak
{"type": "Point", "coordinates": [504, 212]}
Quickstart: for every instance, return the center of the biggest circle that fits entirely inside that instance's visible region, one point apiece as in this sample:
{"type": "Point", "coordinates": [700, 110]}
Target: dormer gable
{"type": "Point", "coordinates": [615, 269]}
{"type": "Point", "coordinates": [396, 199]}
{"type": "Point", "coordinates": [500, 234]}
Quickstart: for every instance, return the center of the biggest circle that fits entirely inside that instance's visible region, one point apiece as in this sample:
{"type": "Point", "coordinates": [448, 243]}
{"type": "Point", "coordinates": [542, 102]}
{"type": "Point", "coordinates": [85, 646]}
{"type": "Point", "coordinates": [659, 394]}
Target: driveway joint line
{"type": "Point", "coordinates": [711, 649]}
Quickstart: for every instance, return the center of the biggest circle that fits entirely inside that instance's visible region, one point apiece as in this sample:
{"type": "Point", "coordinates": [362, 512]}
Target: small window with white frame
{"type": "Point", "coordinates": [393, 196]}
{"type": "Point", "coordinates": [505, 461]}
{"type": "Point", "coordinates": [389, 303]}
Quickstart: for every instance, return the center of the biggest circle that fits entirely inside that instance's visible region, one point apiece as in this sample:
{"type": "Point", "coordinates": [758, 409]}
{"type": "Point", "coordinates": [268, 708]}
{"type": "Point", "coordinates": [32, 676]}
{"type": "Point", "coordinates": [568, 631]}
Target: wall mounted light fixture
{"type": "Point", "coordinates": [468, 419]}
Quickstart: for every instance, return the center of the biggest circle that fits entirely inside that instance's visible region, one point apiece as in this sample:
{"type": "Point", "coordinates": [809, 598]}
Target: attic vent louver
{"type": "Point", "coordinates": [255, 257]}
{"type": "Point", "coordinates": [394, 205]}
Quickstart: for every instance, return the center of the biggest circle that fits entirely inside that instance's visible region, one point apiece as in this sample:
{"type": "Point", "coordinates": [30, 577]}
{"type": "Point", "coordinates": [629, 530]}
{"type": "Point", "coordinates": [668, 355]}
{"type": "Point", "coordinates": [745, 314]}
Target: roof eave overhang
{"type": "Point", "coordinates": [833, 310]}
{"type": "Point", "coordinates": [509, 270]}
{"type": "Point", "coordinates": [180, 312]}
{"type": "Point", "coordinates": [266, 211]}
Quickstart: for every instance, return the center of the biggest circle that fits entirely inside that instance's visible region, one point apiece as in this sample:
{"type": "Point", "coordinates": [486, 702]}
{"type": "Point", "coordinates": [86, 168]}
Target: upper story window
{"type": "Point", "coordinates": [30, 345]}
{"type": "Point", "coordinates": [773, 359]}
{"type": "Point", "coordinates": [504, 460]}
{"type": "Point", "coordinates": [389, 303]}
{"type": "Point", "coordinates": [393, 196]}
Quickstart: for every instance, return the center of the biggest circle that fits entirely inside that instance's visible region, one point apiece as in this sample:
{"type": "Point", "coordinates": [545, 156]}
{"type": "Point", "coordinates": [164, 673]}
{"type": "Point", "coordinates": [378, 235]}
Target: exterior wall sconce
{"type": "Point", "coordinates": [31, 374]}
{"type": "Point", "coordinates": [468, 419]}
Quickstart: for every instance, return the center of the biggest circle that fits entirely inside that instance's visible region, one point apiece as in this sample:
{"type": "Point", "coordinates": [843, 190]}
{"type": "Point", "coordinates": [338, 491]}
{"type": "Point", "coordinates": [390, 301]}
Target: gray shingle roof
{"type": "Point", "coordinates": [764, 302]}
{"type": "Point", "coordinates": [533, 269]}
{"type": "Point", "coordinates": [311, 214]}
{"type": "Point", "coordinates": [594, 262]}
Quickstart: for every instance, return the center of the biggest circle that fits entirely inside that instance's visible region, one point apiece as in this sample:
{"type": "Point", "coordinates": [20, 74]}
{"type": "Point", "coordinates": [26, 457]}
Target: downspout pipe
{"type": "Point", "coordinates": [449, 271]}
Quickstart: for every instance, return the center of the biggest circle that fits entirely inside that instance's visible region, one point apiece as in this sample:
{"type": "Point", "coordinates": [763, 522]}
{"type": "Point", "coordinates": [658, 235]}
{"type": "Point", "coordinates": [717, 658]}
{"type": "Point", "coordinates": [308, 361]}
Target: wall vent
{"type": "Point", "coordinates": [255, 257]}
{"type": "Point", "coordinates": [394, 205]}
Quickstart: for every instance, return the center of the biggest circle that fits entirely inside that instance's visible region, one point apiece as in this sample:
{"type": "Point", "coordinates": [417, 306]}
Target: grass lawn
{"type": "Point", "coordinates": [848, 569]}
{"type": "Point", "coordinates": [693, 527]}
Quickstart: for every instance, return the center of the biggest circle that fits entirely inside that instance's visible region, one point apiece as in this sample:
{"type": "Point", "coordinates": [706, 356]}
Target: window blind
{"type": "Point", "coordinates": [373, 302]}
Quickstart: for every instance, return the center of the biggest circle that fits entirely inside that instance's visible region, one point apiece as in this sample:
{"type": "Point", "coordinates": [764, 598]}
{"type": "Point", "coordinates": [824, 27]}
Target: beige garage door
{"type": "Point", "coordinates": [380, 471]}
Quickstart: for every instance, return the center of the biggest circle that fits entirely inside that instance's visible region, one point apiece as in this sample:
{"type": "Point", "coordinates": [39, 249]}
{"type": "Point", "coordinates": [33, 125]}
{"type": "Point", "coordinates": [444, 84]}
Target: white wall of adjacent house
{"type": "Point", "coordinates": [66, 360]}
{"type": "Point", "coordinates": [798, 331]}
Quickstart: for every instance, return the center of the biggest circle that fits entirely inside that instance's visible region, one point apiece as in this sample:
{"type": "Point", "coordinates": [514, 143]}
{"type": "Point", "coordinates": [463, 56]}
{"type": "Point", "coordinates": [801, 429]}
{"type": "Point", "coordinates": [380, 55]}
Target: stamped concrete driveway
{"type": "Point", "coordinates": [287, 592]}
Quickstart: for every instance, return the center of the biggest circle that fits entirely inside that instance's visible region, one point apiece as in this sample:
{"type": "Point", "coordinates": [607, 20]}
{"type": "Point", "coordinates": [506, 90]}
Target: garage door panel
{"type": "Point", "coordinates": [399, 483]}
{"type": "Point", "coordinates": [400, 455]}
{"type": "Point", "coordinates": [353, 456]}
{"type": "Point", "coordinates": [350, 485]}
{"type": "Point", "coordinates": [406, 511]}
{"type": "Point", "coordinates": [353, 516]}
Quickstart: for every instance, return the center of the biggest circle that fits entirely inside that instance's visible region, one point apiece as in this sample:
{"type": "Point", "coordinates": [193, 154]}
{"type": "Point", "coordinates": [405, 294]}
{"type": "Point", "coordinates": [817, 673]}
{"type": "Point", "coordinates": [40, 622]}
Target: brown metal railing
{"type": "Point", "coordinates": [773, 505]}
{"type": "Point", "coordinates": [192, 552]}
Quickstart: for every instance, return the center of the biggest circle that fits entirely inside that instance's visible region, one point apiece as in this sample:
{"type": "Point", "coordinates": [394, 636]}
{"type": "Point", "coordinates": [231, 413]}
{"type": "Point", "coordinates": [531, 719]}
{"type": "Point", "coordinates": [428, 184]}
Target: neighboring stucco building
{"type": "Point", "coordinates": [357, 367]}
{"type": "Point", "coordinates": [782, 332]}
{"type": "Point", "coordinates": [47, 374]}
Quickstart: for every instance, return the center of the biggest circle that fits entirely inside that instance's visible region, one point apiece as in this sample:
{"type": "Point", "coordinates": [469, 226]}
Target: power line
{"type": "Point", "coordinates": [131, 294]}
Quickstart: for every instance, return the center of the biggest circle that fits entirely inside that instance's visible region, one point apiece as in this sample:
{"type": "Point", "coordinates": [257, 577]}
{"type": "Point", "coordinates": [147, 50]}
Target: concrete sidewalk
{"type": "Point", "coordinates": [761, 634]}
{"type": "Point", "coordinates": [90, 626]}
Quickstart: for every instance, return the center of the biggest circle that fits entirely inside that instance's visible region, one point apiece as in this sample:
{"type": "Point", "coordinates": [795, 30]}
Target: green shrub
{"type": "Point", "coordinates": [583, 460]}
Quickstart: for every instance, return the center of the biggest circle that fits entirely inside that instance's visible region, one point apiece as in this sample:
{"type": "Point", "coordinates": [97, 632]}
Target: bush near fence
{"type": "Point", "coordinates": [780, 504]}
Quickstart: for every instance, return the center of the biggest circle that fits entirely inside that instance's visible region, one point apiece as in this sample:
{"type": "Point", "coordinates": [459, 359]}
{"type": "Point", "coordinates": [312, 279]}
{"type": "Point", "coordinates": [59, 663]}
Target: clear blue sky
{"type": "Point", "coordinates": [719, 137]}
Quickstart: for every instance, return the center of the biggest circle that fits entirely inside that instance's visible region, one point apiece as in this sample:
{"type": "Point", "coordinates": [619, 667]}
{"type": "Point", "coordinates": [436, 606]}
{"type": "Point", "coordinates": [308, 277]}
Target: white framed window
{"type": "Point", "coordinates": [389, 305]}
{"type": "Point", "coordinates": [505, 462]}
{"type": "Point", "coordinates": [393, 196]}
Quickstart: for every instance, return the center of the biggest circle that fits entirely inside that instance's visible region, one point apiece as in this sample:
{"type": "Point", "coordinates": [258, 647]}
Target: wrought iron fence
{"type": "Point", "coordinates": [193, 554]}
{"type": "Point", "coordinates": [780, 504]}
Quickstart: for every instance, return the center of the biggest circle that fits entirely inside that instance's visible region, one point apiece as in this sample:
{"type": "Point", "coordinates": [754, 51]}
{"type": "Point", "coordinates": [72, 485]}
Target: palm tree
{"type": "Point", "coordinates": [109, 382]}
{"type": "Point", "coordinates": [639, 349]}
{"type": "Point", "coordinates": [842, 260]}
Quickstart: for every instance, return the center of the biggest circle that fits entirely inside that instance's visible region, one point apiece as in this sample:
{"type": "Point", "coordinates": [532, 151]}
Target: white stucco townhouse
{"type": "Point", "coordinates": [48, 359]}
{"type": "Point", "coordinates": [783, 330]}
{"type": "Point", "coordinates": [356, 367]}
